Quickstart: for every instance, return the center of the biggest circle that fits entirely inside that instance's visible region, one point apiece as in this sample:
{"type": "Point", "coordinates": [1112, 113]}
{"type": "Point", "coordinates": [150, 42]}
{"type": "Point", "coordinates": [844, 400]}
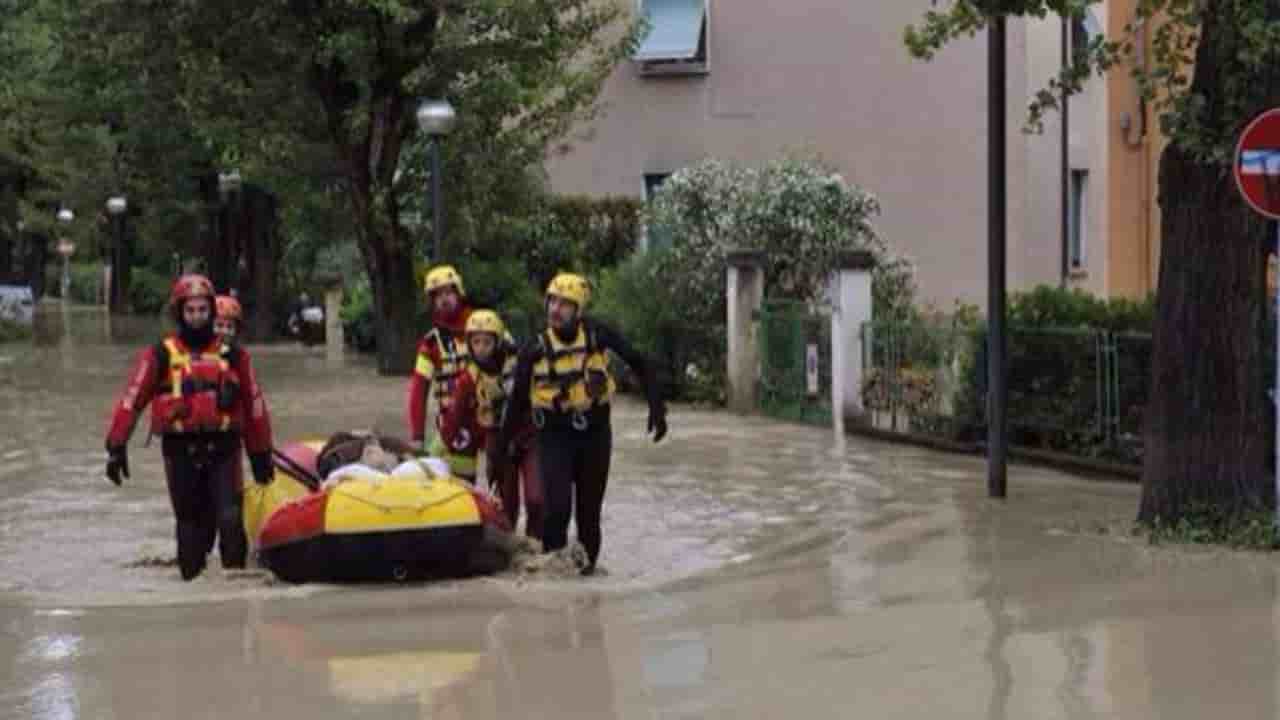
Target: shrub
{"type": "Point", "coordinates": [148, 291]}
{"type": "Point", "coordinates": [637, 299]}
{"type": "Point", "coordinates": [1065, 347]}
{"type": "Point", "coordinates": [798, 212]}
{"type": "Point", "coordinates": [504, 286]}
{"type": "Point", "coordinates": [11, 331]}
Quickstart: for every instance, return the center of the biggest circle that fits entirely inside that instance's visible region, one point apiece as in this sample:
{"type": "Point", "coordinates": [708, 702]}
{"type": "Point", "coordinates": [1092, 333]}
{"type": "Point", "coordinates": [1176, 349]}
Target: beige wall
{"type": "Point", "coordinates": [833, 76]}
{"type": "Point", "coordinates": [1087, 150]}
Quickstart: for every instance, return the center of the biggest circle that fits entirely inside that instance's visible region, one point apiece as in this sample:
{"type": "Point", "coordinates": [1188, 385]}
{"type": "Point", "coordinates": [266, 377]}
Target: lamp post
{"type": "Point", "coordinates": [65, 248]}
{"type": "Point", "coordinates": [436, 118]}
{"type": "Point", "coordinates": [116, 207]}
{"type": "Point", "coordinates": [229, 186]}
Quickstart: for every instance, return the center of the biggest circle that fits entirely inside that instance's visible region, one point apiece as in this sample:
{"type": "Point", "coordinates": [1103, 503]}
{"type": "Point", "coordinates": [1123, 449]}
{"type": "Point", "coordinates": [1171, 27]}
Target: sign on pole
{"type": "Point", "coordinates": [1257, 163]}
{"type": "Point", "coordinates": [1257, 171]}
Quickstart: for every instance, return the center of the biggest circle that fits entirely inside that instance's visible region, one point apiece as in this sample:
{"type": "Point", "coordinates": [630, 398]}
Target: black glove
{"type": "Point", "coordinates": [262, 470]}
{"type": "Point", "coordinates": [117, 464]}
{"type": "Point", "coordinates": [658, 422]}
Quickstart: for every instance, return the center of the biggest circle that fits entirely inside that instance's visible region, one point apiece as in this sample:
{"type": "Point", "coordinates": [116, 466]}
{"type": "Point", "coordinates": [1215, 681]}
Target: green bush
{"type": "Point", "coordinates": [572, 233]}
{"type": "Point", "coordinates": [86, 282]}
{"type": "Point", "coordinates": [604, 230]}
{"type": "Point", "coordinates": [148, 291]}
{"type": "Point", "coordinates": [11, 331]}
{"type": "Point", "coordinates": [1060, 343]}
{"type": "Point", "coordinates": [357, 315]}
{"type": "Point", "coordinates": [636, 299]}
{"type": "Point", "coordinates": [503, 285]}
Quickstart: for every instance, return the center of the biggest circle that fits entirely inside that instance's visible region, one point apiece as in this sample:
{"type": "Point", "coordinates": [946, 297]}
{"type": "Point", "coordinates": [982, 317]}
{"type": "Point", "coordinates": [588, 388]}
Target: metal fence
{"type": "Point", "coordinates": [795, 361]}
{"type": "Point", "coordinates": [1070, 390]}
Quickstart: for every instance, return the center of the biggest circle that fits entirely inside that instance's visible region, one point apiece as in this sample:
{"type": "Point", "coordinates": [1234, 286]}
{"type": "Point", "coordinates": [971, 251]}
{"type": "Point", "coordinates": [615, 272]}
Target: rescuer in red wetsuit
{"type": "Point", "coordinates": [475, 412]}
{"type": "Point", "coordinates": [441, 354]}
{"type": "Point", "coordinates": [205, 400]}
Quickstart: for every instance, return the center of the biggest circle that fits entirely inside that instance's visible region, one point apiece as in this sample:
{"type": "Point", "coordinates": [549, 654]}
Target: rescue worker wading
{"type": "Point", "coordinates": [441, 353]}
{"type": "Point", "coordinates": [479, 399]}
{"type": "Point", "coordinates": [228, 318]}
{"type": "Point", "coordinates": [204, 398]}
{"type": "Point", "coordinates": [563, 382]}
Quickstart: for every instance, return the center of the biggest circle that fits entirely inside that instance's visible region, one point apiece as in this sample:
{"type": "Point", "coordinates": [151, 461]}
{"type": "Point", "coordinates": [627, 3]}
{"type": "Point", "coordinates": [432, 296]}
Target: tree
{"type": "Point", "coordinates": [266, 81]}
{"type": "Point", "coordinates": [1214, 64]}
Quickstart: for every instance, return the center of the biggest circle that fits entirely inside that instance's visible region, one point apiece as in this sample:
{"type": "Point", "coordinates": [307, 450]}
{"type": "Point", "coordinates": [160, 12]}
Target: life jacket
{"type": "Point", "coordinates": [492, 391]}
{"type": "Point", "coordinates": [453, 355]}
{"type": "Point", "coordinates": [200, 391]}
{"type": "Point", "coordinates": [571, 377]}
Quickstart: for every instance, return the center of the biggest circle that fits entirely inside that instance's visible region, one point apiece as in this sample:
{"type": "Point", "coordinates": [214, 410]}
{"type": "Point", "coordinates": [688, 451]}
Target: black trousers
{"type": "Point", "coordinates": [204, 489]}
{"type": "Point", "coordinates": [574, 469]}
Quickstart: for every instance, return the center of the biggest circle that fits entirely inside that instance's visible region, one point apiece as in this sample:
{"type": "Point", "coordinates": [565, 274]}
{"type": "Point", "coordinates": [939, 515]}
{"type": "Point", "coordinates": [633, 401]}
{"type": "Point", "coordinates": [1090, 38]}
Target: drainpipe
{"type": "Point", "coordinates": [1066, 157]}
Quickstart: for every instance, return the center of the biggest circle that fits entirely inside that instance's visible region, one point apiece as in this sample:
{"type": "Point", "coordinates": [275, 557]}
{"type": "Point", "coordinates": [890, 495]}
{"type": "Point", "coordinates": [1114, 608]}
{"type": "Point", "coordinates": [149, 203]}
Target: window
{"type": "Point", "coordinates": [1077, 218]}
{"type": "Point", "coordinates": [653, 181]}
{"type": "Point", "coordinates": [676, 43]}
{"type": "Point", "coordinates": [1083, 29]}
{"type": "Point", "coordinates": [654, 237]}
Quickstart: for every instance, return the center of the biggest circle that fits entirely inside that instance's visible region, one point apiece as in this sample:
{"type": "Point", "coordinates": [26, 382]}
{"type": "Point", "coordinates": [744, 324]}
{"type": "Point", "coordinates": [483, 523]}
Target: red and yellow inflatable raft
{"type": "Point", "coordinates": [368, 526]}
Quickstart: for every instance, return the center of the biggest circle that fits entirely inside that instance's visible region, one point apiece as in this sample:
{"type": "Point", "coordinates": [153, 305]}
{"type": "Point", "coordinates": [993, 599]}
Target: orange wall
{"type": "Point", "coordinates": [1133, 214]}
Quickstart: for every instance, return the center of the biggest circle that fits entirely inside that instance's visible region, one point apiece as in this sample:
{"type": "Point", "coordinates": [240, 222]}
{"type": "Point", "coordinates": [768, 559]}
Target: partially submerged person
{"type": "Point", "coordinates": [475, 413]}
{"type": "Point", "coordinates": [371, 456]}
{"type": "Point", "coordinates": [563, 383]}
{"type": "Point", "coordinates": [205, 401]}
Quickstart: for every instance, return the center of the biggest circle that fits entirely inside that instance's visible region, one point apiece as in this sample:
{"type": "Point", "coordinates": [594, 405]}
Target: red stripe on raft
{"type": "Point", "coordinates": [294, 521]}
{"type": "Point", "coordinates": [490, 513]}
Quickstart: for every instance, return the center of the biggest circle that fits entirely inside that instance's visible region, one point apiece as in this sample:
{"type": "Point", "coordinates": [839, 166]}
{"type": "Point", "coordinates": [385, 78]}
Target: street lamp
{"type": "Point", "coordinates": [228, 182]}
{"type": "Point", "coordinates": [436, 118]}
{"type": "Point", "coordinates": [229, 186]}
{"type": "Point", "coordinates": [116, 206]}
{"type": "Point", "coordinates": [65, 248]}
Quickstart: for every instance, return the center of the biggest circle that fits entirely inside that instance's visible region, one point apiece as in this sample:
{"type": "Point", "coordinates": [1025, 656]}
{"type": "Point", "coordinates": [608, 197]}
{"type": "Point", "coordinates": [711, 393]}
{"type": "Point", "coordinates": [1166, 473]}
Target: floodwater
{"type": "Point", "coordinates": [754, 570]}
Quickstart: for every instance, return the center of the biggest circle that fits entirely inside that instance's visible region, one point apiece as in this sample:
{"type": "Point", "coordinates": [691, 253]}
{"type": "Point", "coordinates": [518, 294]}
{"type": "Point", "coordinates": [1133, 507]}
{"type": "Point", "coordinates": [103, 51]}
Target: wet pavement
{"type": "Point", "coordinates": [754, 570]}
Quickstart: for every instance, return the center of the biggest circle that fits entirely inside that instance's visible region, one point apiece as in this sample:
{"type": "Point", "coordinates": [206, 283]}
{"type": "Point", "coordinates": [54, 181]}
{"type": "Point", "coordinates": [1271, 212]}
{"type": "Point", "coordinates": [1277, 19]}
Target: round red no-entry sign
{"type": "Point", "coordinates": [1257, 164]}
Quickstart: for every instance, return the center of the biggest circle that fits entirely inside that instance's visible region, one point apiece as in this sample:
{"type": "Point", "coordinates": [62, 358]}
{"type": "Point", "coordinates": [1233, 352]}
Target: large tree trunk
{"type": "Point", "coordinates": [258, 240]}
{"type": "Point", "coordinates": [1206, 423]}
{"type": "Point", "coordinates": [395, 308]}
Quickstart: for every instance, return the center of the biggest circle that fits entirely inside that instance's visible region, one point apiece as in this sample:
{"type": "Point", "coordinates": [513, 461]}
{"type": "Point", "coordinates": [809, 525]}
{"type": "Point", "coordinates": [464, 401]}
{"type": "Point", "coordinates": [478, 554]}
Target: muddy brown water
{"type": "Point", "coordinates": [754, 570]}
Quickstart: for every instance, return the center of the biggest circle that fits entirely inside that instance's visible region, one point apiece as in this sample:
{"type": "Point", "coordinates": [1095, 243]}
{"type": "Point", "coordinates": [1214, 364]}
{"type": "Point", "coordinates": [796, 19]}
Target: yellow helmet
{"type": "Point", "coordinates": [571, 287]}
{"type": "Point", "coordinates": [442, 276]}
{"type": "Point", "coordinates": [485, 321]}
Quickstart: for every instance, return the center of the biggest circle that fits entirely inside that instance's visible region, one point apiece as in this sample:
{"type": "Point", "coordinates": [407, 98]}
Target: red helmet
{"type": "Point", "coordinates": [228, 307]}
{"type": "Point", "coordinates": [187, 287]}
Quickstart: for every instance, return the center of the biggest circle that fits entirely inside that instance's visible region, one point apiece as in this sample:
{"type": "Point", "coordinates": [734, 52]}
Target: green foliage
{"type": "Point", "coordinates": [357, 315]}
{"type": "Point", "coordinates": [503, 285]}
{"type": "Point", "coordinates": [314, 102]}
{"type": "Point", "coordinates": [86, 281]}
{"type": "Point", "coordinates": [148, 291]}
{"type": "Point", "coordinates": [1048, 306]}
{"type": "Point", "coordinates": [637, 298]}
{"type": "Point", "coordinates": [1065, 347]}
{"type": "Point", "coordinates": [604, 230]}
{"type": "Point", "coordinates": [1208, 525]}
{"type": "Point", "coordinates": [796, 210]}
{"type": "Point", "coordinates": [1203, 79]}
{"type": "Point", "coordinates": [567, 233]}
{"type": "Point", "coordinates": [11, 331]}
